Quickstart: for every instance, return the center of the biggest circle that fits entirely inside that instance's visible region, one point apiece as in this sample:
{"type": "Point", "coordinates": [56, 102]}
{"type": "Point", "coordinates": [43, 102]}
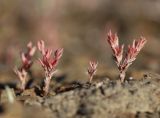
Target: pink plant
{"type": "Point", "coordinates": [92, 69]}
{"type": "Point", "coordinates": [48, 63]}
{"type": "Point", "coordinates": [130, 56]}
{"type": "Point", "coordinates": [26, 64]}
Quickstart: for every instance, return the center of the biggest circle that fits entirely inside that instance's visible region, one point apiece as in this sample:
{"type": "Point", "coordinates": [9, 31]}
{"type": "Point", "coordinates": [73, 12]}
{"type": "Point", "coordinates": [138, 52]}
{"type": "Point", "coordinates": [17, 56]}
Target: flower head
{"type": "Point", "coordinates": [48, 62]}
{"type": "Point", "coordinates": [92, 69]}
{"type": "Point", "coordinates": [113, 41]}
{"type": "Point", "coordinates": [27, 57]}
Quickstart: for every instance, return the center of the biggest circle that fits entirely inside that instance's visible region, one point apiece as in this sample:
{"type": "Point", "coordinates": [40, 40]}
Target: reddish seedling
{"type": "Point", "coordinates": [23, 70]}
{"type": "Point", "coordinates": [48, 63]}
{"type": "Point", "coordinates": [124, 61]}
{"type": "Point", "coordinates": [92, 68]}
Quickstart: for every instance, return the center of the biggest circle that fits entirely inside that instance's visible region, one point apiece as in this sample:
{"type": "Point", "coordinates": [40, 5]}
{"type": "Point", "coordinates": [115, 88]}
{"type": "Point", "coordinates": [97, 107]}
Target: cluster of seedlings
{"type": "Point", "coordinates": [49, 62]}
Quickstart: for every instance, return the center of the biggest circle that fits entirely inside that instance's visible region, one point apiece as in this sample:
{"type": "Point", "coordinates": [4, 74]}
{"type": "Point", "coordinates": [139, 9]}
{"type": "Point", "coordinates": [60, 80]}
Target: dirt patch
{"type": "Point", "coordinates": [105, 99]}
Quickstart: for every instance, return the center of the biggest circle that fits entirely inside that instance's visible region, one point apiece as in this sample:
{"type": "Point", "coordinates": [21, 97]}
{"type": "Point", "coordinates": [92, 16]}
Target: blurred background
{"type": "Point", "coordinates": [80, 27]}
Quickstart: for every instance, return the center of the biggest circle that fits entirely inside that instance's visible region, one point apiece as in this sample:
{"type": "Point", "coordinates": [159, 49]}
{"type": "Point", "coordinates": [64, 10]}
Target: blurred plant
{"type": "Point", "coordinates": [92, 70]}
{"type": "Point", "coordinates": [26, 64]}
{"type": "Point", "coordinates": [48, 63]}
{"type": "Point", "coordinates": [130, 56]}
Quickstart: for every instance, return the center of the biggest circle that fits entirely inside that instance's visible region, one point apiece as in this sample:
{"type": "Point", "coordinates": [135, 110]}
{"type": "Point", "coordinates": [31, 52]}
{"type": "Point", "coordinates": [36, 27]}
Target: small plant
{"type": "Point", "coordinates": [26, 64]}
{"type": "Point", "coordinates": [92, 68]}
{"type": "Point", "coordinates": [48, 63]}
{"type": "Point", "coordinates": [130, 56]}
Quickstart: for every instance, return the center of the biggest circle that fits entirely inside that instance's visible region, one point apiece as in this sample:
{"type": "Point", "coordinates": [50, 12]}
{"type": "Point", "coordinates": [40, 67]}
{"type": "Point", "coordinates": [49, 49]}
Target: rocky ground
{"type": "Point", "coordinates": [138, 98]}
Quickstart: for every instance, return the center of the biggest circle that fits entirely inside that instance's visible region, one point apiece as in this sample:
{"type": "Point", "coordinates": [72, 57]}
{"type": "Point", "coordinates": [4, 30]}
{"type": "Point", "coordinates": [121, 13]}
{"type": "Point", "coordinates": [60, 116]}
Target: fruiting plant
{"type": "Point", "coordinates": [92, 68]}
{"type": "Point", "coordinates": [26, 58]}
{"type": "Point", "coordinates": [48, 63]}
{"type": "Point", "coordinates": [124, 61]}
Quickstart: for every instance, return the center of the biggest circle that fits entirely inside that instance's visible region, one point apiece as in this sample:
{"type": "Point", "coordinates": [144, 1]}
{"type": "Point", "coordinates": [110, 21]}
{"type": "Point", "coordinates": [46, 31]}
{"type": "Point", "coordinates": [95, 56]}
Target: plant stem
{"type": "Point", "coordinates": [46, 85]}
{"type": "Point", "coordinates": [122, 76]}
{"type": "Point", "coordinates": [23, 84]}
{"type": "Point", "coordinates": [90, 79]}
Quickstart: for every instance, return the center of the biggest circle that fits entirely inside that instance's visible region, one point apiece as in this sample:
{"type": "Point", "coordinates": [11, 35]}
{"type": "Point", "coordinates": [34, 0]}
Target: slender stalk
{"type": "Point", "coordinates": [23, 85]}
{"type": "Point", "coordinates": [46, 85]}
{"type": "Point", "coordinates": [122, 76]}
{"type": "Point", "coordinates": [90, 79]}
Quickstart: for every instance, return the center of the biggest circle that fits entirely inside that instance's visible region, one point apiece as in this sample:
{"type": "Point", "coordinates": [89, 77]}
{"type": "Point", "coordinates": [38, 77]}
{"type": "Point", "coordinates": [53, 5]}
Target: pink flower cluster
{"type": "Point", "coordinates": [130, 56]}
{"type": "Point", "coordinates": [26, 64]}
{"type": "Point", "coordinates": [48, 63]}
{"type": "Point", "coordinates": [92, 69]}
